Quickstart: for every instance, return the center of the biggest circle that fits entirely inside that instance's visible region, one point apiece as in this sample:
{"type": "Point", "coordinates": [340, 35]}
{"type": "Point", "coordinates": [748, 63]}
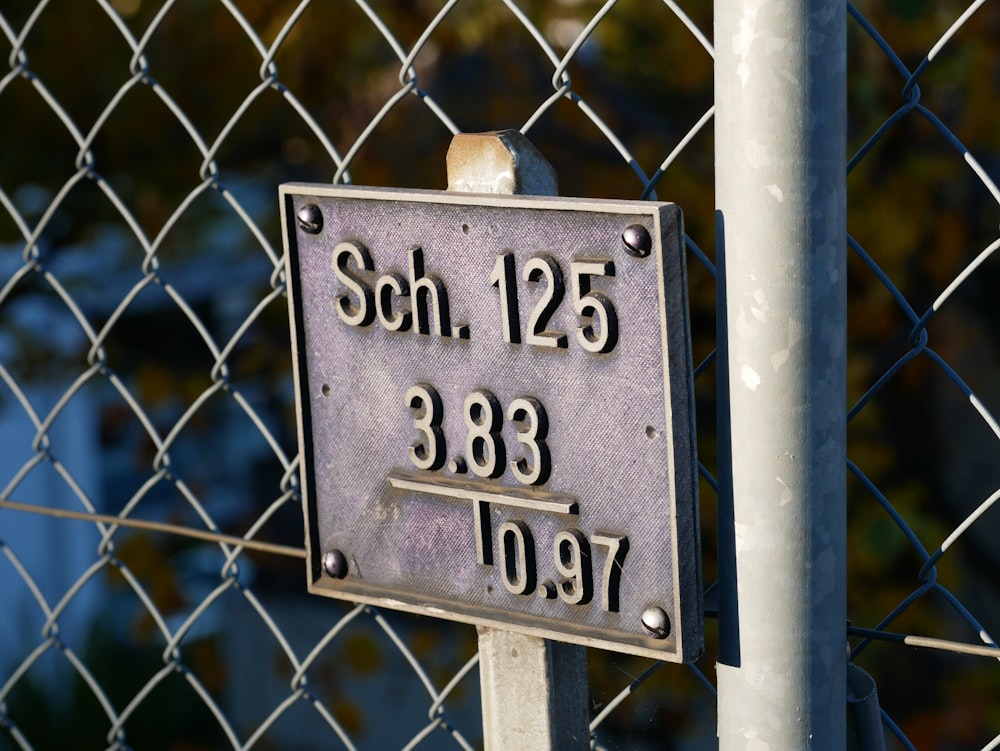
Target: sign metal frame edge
{"type": "Point", "coordinates": [688, 634]}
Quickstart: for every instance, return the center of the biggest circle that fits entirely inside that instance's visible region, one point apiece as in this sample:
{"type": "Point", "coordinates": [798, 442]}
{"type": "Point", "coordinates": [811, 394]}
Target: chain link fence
{"type": "Point", "coordinates": [923, 378]}
{"type": "Point", "coordinates": [151, 529]}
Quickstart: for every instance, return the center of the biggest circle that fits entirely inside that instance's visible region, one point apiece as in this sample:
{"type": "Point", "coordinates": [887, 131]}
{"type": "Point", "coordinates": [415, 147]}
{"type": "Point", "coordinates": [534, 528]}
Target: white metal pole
{"type": "Point", "coordinates": [535, 691]}
{"type": "Point", "coordinates": [780, 195]}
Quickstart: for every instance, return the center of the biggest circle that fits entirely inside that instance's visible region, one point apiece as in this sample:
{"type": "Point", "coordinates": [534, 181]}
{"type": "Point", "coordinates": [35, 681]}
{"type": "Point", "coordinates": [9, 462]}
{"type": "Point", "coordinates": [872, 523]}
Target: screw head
{"type": "Point", "coordinates": [655, 622]}
{"type": "Point", "coordinates": [310, 218]}
{"type": "Point", "coordinates": [637, 241]}
{"type": "Point", "coordinates": [335, 564]}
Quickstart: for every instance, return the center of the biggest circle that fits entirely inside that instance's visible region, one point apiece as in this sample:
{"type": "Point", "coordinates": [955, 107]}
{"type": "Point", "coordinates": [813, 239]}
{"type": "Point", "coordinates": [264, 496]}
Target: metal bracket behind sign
{"type": "Point", "coordinates": [494, 398]}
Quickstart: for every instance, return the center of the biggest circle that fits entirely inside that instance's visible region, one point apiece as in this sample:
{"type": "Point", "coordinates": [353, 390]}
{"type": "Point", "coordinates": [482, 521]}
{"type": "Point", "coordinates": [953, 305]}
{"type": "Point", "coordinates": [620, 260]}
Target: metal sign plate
{"type": "Point", "coordinates": [495, 411]}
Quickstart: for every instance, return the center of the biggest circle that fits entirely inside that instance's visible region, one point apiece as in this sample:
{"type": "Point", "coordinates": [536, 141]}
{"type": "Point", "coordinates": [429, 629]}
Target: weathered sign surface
{"type": "Point", "coordinates": [495, 411]}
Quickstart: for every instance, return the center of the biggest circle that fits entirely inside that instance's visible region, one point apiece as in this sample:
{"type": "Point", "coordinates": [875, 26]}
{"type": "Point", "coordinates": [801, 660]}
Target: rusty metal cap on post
{"type": "Point", "coordinates": [502, 162]}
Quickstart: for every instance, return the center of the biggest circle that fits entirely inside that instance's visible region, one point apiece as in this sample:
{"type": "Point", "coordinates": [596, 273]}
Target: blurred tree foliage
{"type": "Point", "coordinates": [915, 206]}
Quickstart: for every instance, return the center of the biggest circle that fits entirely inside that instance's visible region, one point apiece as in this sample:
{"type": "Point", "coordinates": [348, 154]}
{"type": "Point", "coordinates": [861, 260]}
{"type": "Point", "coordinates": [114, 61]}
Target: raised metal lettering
{"type": "Point", "coordinates": [428, 453]}
{"type": "Point", "coordinates": [484, 536]}
{"type": "Point", "coordinates": [536, 469]}
{"type": "Point", "coordinates": [426, 292]}
{"type": "Point", "coordinates": [358, 312]}
{"type": "Point", "coordinates": [572, 559]}
{"type": "Point", "coordinates": [538, 269]}
{"type": "Point", "coordinates": [483, 444]}
{"type": "Point", "coordinates": [617, 546]}
{"type": "Point", "coordinates": [387, 287]}
{"type": "Point", "coordinates": [594, 305]}
{"type": "Point", "coordinates": [505, 280]}
{"type": "Point", "coordinates": [517, 546]}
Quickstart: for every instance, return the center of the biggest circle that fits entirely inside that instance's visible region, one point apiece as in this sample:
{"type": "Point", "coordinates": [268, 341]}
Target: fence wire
{"type": "Point", "coordinates": [146, 367]}
{"type": "Point", "coordinates": [919, 362]}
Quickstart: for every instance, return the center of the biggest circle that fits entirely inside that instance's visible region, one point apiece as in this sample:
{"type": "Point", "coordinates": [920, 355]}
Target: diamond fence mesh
{"type": "Point", "coordinates": [146, 369]}
{"type": "Point", "coordinates": [923, 437]}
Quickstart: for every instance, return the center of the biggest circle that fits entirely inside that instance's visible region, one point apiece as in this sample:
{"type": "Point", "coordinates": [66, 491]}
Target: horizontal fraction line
{"type": "Point", "coordinates": [466, 491]}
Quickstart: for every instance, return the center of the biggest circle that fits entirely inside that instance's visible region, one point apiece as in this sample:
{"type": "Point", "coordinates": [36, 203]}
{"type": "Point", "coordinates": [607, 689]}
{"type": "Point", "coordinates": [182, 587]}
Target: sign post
{"type": "Point", "coordinates": [535, 691]}
{"type": "Point", "coordinates": [495, 414]}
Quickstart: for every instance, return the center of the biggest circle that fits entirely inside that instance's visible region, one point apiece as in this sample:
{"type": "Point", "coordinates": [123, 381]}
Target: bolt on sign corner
{"type": "Point", "coordinates": [495, 411]}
